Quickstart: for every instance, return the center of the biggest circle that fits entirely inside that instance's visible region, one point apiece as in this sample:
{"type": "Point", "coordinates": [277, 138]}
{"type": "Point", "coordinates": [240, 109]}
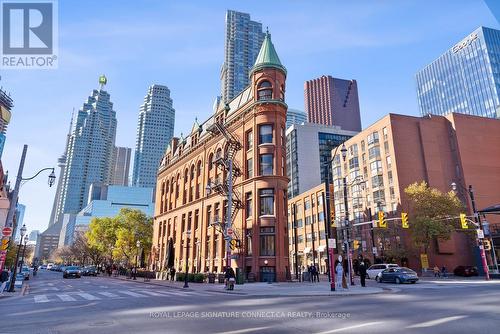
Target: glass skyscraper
{"type": "Point", "coordinates": [465, 79]}
{"type": "Point", "coordinates": [242, 45]}
{"type": "Point", "coordinates": [155, 129]}
{"type": "Point", "coordinates": [89, 150]}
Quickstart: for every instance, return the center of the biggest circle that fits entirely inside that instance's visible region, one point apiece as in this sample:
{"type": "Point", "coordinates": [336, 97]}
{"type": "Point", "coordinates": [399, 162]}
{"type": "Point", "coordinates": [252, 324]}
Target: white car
{"type": "Point", "coordinates": [49, 266]}
{"type": "Point", "coordinates": [376, 269]}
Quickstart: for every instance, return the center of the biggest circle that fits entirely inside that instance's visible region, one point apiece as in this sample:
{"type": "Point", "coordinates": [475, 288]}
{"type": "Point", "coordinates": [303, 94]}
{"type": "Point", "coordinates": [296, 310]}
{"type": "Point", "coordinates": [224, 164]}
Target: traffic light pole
{"type": "Point", "coordinates": [349, 257]}
{"type": "Point", "coordinates": [372, 231]}
{"type": "Point", "coordinates": [478, 221]}
{"type": "Point", "coordinates": [328, 228]}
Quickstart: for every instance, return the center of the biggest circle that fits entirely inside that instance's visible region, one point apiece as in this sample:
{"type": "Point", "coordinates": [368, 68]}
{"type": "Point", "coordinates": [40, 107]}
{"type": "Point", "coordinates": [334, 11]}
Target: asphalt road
{"type": "Point", "coordinates": [104, 305]}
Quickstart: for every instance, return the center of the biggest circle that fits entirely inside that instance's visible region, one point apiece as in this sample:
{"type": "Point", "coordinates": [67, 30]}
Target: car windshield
{"type": "Point", "coordinates": [406, 270]}
{"type": "Point", "coordinates": [72, 268]}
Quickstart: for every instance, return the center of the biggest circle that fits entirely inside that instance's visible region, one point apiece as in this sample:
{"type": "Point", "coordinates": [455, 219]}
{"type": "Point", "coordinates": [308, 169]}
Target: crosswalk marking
{"type": "Point", "coordinates": [41, 299]}
{"type": "Point", "coordinates": [108, 294]}
{"type": "Point", "coordinates": [133, 294]}
{"type": "Point", "coordinates": [151, 293]}
{"type": "Point", "coordinates": [66, 298]}
{"type": "Point", "coordinates": [88, 296]}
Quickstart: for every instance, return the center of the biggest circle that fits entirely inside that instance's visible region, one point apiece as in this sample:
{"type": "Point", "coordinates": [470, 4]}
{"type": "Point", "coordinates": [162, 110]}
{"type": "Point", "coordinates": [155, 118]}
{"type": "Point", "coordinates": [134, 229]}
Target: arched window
{"type": "Point", "coordinates": [198, 168]}
{"type": "Point", "coordinates": [210, 161]}
{"type": "Point", "coordinates": [265, 91]}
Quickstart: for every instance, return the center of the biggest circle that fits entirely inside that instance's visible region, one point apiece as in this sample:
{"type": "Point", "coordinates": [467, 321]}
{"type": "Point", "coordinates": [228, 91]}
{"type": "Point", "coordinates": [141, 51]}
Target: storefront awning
{"type": "Point", "coordinates": [321, 248]}
{"type": "Point", "coordinates": [494, 209]}
{"type": "Point", "coordinates": [307, 250]}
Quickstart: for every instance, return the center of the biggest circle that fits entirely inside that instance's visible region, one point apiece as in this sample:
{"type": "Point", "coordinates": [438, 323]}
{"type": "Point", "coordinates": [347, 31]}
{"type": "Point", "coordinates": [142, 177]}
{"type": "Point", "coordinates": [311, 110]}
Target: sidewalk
{"type": "Point", "coordinates": [303, 289]}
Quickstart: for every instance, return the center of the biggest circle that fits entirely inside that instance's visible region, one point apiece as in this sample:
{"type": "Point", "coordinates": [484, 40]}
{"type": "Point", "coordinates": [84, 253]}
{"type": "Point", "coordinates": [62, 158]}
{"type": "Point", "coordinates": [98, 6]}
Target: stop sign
{"type": "Point", "coordinates": [229, 231]}
{"type": "Point", "coordinates": [7, 231]}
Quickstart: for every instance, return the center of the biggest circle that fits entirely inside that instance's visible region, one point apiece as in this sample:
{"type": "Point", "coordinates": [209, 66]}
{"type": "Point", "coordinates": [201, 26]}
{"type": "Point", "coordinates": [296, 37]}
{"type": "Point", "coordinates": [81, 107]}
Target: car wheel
{"type": "Point", "coordinates": [377, 279]}
{"type": "Point", "coordinates": [367, 276]}
{"type": "Point", "coordinates": [398, 281]}
{"type": "Point", "coordinates": [413, 282]}
{"type": "Point", "coordinates": [64, 276]}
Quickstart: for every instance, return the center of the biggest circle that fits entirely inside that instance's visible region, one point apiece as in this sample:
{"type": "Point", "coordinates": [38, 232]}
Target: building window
{"type": "Point", "coordinates": [307, 204]}
{"type": "Point", "coordinates": [266, 164]}
{"type": "Point", "coordinates": [209, 214]}
{"type": "Point", "coordinates": [266, 197]}
{"type": "Point", "coordinates": [372, 138]}
{"type": "Point", "coordinates": [374, 152]}
{"type": "Point", "coordinates": [389, 162]}
{"type": "Point", "coordinates": [249, 168]}
{"type": "Point", "coordinates": [376, 167]}
{"type": "Point", "coordinates": [248, 205]}
{"type": "Point", "coordinates": [248, 237]}
{"type": "Point", "coordinates": [265, 91]}
{"type": "Point", "coordinates": [267, 241]}
{"type": "Point", "coordinates": [196, 219]}
{"type": "Point", "coordinates": [308, 220]}
{"type": "Point", "coordinates": [249, 140]}
{"type": "Point", "coordinates": [377, 181]}
{"type": "Point", "coordinates": [384, 132]}
{"type": "Point", "coordinates": [265, 134]}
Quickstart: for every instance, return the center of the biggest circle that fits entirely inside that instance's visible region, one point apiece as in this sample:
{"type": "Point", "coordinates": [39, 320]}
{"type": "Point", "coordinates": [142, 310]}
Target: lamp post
{"type": "Point", "coordinates": [186, 285]}
{"type": "Point", "coordinates": [14, 272]}
{"type": "Point", "coordinates": [477, 219]}
{"type": "Point", "coordinates": [346, 220]}
{"type": "Point", "coordinates": [138, 245]}
{"type": "Point", "coordinates": [14, 195]}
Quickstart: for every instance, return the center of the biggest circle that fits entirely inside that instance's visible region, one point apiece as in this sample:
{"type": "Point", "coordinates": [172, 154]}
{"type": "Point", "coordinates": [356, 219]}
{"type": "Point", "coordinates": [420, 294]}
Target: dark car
{"type": "Point", "coordinates": [398, 275]}
{"type": "Point", "coordinates": [465, 271]}
{"type": "Point", "coordinates": [89, 271]}
{"type": "Point", "coordinates": [72, 271]}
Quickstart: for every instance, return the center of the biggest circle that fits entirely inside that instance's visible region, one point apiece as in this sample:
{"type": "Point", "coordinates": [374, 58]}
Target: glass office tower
{"type": "Point", "coordinates": [466, 79]}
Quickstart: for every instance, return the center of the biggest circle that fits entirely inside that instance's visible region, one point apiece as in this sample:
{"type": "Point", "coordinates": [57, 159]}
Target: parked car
{"type": "Point", "coordinates": [89, 271]}
{"type": "Point", "coordinates": [398, 275]}
{"type": "Point", "coordinates": [49, 266]}
{"type": "Point", "coordinates": [376, 269]}
{"type": "Point", "coordinates": [43, 266]}
{"type": "Point", "coordinates": [72, 271]}
{"type": "Point", "coordinates": [465, 271]}
{"type": "Point", "coordinates": [62, 268]}
{"type": "Point", "coordinates": [25, 270]}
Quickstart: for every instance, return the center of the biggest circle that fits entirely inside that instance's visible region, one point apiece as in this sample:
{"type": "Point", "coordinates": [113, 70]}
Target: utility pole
{"type": "Point", "coordinates": [477, 219]}
{"type": "Point", "coordinates": [372, 230]}
{"type": "Point", "coordinates": [15, 193]}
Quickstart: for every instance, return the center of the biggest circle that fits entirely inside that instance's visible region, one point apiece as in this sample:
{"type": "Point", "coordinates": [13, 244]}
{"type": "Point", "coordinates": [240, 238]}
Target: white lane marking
{"type": "Point", "coordinates": [245, 330]}
{"type": "Point", "coordinates": [41, 299]}
{"type": "Point", "coordinates": [151, 293]}
{"type": "Point", "coordinates": [50, 284]}
{"type": "Point", "coordinates": [66, 298]}
{"type": "Point", "coordinates": [437, 321]}
{"type": "Point", "coordinates": [88, 296]}
{"type": "Point", "coordinates": [130, 293]}
{"type": "Point", "coordinates": [172, 293]}
{"type": "Point", "coordinates": [108, 294]}
{"type": "Point", "coordinates": [351, 327]}
{"type": "Point", "coordinates": [103, 286]}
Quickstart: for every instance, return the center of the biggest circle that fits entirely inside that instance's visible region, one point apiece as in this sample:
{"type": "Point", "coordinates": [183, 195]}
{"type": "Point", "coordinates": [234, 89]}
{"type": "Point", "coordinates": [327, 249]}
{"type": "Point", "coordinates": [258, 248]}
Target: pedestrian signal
{"type": "Point", "coordinates": [404, 220]}
{"type": "Point", "coordinates": [463, 221]}
{"type": "Point", "coordinates": [233, 244]}
{"type": "Point", "coordinates": [487, 245]}
{"type": "Point", "coordinates": [355, 244]}
{"type": "Point", "coordinates": [381, 220]}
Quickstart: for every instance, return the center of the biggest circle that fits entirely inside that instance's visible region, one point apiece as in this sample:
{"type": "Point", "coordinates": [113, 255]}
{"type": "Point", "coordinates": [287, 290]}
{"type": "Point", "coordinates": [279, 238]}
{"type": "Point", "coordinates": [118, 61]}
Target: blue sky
{"type": "Point", "coordinates": [180, 44]}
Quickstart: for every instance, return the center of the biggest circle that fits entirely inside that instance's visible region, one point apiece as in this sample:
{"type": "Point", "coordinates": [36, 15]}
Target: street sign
{"type": "Point", "coordinates": [375, 250]}
{"type": "Point", "coordinates": [7, 231]}
{"type": "Point", "coordinates": [331, 243]}
{"type": "Point", "coordinates": [230, 231]}
{"type": "Point", "coordinates": [480, 234]}
{"type": "Point", "coordinates": [5, 244]}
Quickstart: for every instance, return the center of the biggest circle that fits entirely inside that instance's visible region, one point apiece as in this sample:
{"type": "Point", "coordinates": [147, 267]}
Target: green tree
{"type": "Point", "coordinates": [429, 210]}
{"type": "Point", "coordinates": [102, 235]}
{"type": "Point", "coordinates": [133, 226]}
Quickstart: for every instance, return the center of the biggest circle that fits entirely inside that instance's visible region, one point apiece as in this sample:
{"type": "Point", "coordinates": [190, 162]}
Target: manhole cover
{"type": "Point", "coordinates": [101, 324]}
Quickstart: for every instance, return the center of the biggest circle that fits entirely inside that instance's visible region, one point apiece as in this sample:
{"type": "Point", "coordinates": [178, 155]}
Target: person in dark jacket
{"type": "Point", "coordinates": [362, 273]}
{"type": "Point", "coordinates": [172, 273]}
{"type": "Point", "coordinates": [230, 278]}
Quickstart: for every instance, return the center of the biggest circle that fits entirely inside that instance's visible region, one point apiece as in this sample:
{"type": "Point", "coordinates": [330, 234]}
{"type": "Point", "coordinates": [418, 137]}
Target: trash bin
{"type": "Point", "coordinates": [211, 278]}
{"type": "Point", "coordinates": [240, 277]}
{"type": "Point", "coordinates": [221, 278]}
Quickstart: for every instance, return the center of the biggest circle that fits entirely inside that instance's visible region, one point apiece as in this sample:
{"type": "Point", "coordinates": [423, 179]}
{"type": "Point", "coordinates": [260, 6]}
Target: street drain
{"type": "Point", "coordinates": [101, 324]}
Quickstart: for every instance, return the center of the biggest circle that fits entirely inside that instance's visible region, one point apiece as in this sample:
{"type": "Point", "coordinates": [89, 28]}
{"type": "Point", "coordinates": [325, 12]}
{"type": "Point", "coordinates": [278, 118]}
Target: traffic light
{"type": "Point", "coordinates": [238, 243]}
{"type": "Point", "coordinates": [332, 218]}
{"type": "Point", "coordinates": [463, 221]}
{"type": "Point", "coordinates": [487, 245]}
{"type": "Point", "coordinates": [355, 244]}
{"type": "Point", "coordinates": [232, 244]}
{"type": "Point", "coordinates": [381, 220]}
{"type": "Point", "coordinates": [404, 220]}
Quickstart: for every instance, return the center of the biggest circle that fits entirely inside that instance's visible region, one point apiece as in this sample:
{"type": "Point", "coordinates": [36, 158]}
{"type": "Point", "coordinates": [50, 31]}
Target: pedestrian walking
{"type": "Point", "coordinates": [362, 273]}
{"type": "Point", "coordinates": [339, 273]}
{"type": "Point", "coordinates": [309, 270]}
{"type": "Point", "coordinates": [172, 274]}
{"type": "Point", "coordinates": [443, 272]}
{"type": "Point", "coordinates": [436, 271]}
{"type": "Point", "coordinates": [230, 278]}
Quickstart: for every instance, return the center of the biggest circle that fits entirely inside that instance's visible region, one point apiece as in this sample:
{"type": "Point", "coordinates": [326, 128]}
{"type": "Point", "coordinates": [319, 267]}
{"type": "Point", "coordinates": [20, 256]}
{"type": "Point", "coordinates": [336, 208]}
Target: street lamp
{"type": "Point", "coordinates": [479, 224]}
{"type": "Point", "coordinates": [14, 272]}
{"type": "Point", "coordinates": [186, 285]}
{"type": "Point", "coordinates": [138, 245]}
